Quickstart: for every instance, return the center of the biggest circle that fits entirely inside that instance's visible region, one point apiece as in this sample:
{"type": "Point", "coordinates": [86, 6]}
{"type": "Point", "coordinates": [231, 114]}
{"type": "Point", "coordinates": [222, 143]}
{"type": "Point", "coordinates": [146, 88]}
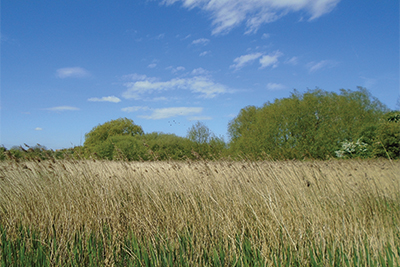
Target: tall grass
{"type": "Point", "coordinates": [291, 213]}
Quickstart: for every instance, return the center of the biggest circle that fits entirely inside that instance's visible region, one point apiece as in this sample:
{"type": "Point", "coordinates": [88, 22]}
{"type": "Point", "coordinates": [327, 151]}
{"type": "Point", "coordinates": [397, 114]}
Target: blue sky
{"type": "Point", "coordinates": [67, 66]}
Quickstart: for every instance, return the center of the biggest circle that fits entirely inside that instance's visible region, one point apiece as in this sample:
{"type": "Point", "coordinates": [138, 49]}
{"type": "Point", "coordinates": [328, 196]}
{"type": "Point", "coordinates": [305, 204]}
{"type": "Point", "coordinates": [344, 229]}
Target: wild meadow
{"type": "Point", "coordinates": [200, 213]}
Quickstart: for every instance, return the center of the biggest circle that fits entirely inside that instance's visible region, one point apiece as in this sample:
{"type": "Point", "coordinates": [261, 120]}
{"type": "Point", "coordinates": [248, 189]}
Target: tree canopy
{"type": "Point", "coordinates": [309, 125]}
{"type": "Point", "coordinates": [121, 126]}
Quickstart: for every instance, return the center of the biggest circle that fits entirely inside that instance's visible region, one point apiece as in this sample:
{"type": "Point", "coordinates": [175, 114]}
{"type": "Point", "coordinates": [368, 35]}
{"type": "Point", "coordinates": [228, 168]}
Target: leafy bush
{"type": "Point", "coordinates": [101, 133]}
{"type": "Point", "coordinates": [387, 142]}
{"type": "Point", "coordinates": [2, 153]}
{"type": "Point", "coordinates": [309, 125]}
{"type": "Point", "coordinates": [356, 149]}
{"type": "Point", "coordinates": [205, 144]}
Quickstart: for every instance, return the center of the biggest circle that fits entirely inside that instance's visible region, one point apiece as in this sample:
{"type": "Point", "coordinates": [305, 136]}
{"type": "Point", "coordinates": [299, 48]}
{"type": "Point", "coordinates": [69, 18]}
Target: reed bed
{"type": "Point", "coordinates": [203, 213]}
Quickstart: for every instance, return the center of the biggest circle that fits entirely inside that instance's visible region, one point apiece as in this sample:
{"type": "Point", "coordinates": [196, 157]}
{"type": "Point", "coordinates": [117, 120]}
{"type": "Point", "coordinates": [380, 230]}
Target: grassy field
{"type": "Point", "coordinates": [275, 213]}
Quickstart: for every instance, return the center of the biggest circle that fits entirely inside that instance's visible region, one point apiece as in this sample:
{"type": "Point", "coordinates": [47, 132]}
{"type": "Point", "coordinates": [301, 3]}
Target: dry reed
{"type": "Point", "coordinates": [330, 203]}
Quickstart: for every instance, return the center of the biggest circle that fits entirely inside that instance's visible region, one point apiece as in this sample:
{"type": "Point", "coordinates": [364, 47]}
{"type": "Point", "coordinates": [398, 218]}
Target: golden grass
{"type": "Point", "coordinates": [292, 202]}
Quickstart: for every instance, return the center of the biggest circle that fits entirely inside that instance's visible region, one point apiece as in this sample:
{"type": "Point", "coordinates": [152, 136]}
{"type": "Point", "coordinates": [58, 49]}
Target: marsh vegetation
{"type": "Point", "coordinates": [200, 213]}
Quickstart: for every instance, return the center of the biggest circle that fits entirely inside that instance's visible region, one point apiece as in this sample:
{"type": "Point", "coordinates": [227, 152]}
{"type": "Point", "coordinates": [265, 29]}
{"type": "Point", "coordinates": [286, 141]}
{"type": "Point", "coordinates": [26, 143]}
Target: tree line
{"type": "Point", "coordinates": [313, 125]}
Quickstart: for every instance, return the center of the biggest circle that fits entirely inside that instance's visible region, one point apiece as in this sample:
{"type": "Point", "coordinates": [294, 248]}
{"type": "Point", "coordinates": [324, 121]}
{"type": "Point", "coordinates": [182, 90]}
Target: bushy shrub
{"type": "Point", "coordinates": [387, 141]}
{"type": "Point", "coordinates": [3, 153]}
{"type": "Point", "coordinates": [356, 149]}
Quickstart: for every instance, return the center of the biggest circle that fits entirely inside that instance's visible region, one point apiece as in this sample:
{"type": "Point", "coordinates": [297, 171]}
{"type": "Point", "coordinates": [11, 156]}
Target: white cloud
{"type": "Point", "coordinates": [265, 60]}
{"type": "Point", "coordinates": [38, 129]}
{"type": "Point", "coordinates": [75, 72]}
{"type": "Point", "coordinates": [62, 108]}
{"type": "Point", "coordinates": [113, 99]}
{"type": "Point", "coordinates": [161, 98]}
{"type": "Point", "coordinates": [206, 87]}
{"type": "Point", "coordinates": [265, 36]}
{"type": "Point", "coordinates": [315, 66]}
{"type": "Point", "coordinates": [275, 86]}
{"type": "Point", "coordinates": [293, 61]}
{"type": "Point", "coordinates": [202, 54]}
{"type": "Point", "coordinates": [135, 77]}
{"type": "Point", "coordinates": [163, 113]}
{"type": "Point", "coordinates": [200, 71]}
{"type": "Point", "coordinates": [271, 59]}
{"type": "Point", "coordinates": [200, 118]}
{"type": "Point", "coordinates": [227, 14]}
{"type": "Point", "coordinates": [201, 41]}
{"type": "Point", "coordinates": [152, 65]}
{"type": "Point", "coordinates": [199, 84]}
{"type": "Point", "coordinates": [244, 60]}
{"type": "Point", "coordinates": [134, 109]}
{"type": "Point", "coordinates": [175, 70]}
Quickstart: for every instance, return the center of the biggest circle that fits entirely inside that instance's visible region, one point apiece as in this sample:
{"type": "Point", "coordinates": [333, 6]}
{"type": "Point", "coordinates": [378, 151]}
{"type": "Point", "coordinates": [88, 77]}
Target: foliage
{"type": "Point", "coordinates": [163, 146]}
{"type": "Point", "coordinates": [15, 152]}
{"type": "Point", "coordinates": [356, 149]}
{"type": "Point", "coordinates": [199, 133]}
{"type": "Point", "coordinates": [393, 116]}
{"type": "Point", "coordinates": [205, 144]}
{"type": "Point", "coordinates": [316, 124]}
{"type": "Point", "coordinates": [387, 139]}
{"type": "Point", "coordinates": [309, 125]}
{"type": "Point", "coordinates": [100, 133]}
{"type": "Point", "coordinates": [2, 153]}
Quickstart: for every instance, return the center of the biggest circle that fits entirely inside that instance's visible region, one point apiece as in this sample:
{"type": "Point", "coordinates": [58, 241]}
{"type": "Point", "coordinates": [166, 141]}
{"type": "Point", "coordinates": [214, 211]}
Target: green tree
{"type": "Point", "coordinates": [241, 127]}
{"type": "Point", "coordinates": [100, 133]}
{"type": "Point", "coordinates": [199, 133]}
{"type": "Point", "coordinates": [309, 125]}
{"type": "Point", "coordinates": [163, 146]}
{"type": "Point", "coordinates": [387, 139]}
{"type": "Point", "coordinates": [204, 142]}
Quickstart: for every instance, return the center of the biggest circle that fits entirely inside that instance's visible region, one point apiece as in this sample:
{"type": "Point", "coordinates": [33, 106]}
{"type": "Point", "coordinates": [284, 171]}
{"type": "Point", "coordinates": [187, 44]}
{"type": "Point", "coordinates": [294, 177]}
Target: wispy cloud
{"type": "Point", "coordinates": [62, 108]}
{"type": "Point", "coordinates": [226, 15]}
{"type": "Point", "coordinates": [163, 113]}
{"type": "Point", "coordinates": [161, 98]}
{"type": "Point", "coordinates": [38, 129]}
{"type": "Point", "coordinates": [202, 54]}
{"type": "Point", "coordinates": [265, 36]}
{"type": "Point", "coordinates": [275, 86]}
{"type": "Point", "coordinates": [136, 77]}
{"type": "Point", "coordinates": [241, 61]}
{"type": "Point", "coordinates": [134, 109]}
{"type": "Point", "coordinates": [152, 65]}
{"type": "Point", "coordinates": [315, 66]}
{"type": "Point", "coordinates": [200, 71]}
{"type": "Point", "coordinates": [264, 60]}
{"type": "Point", "coordinates": [112, 99]}
{"type": "Point", "coordinates": [292, 61]}
{"type": "Point", "coordinates": [74, 72]}
{"type": "Point", "coordinates": [175, 70]}
{"type": "Point", "coordinates": [270, 60]}
{"type": "Point", "coordinates": [202, 85]}
{"type": "Point", "coordinates": [200, 118]}
{"type": "Point", "coordinates": [201, 41]}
